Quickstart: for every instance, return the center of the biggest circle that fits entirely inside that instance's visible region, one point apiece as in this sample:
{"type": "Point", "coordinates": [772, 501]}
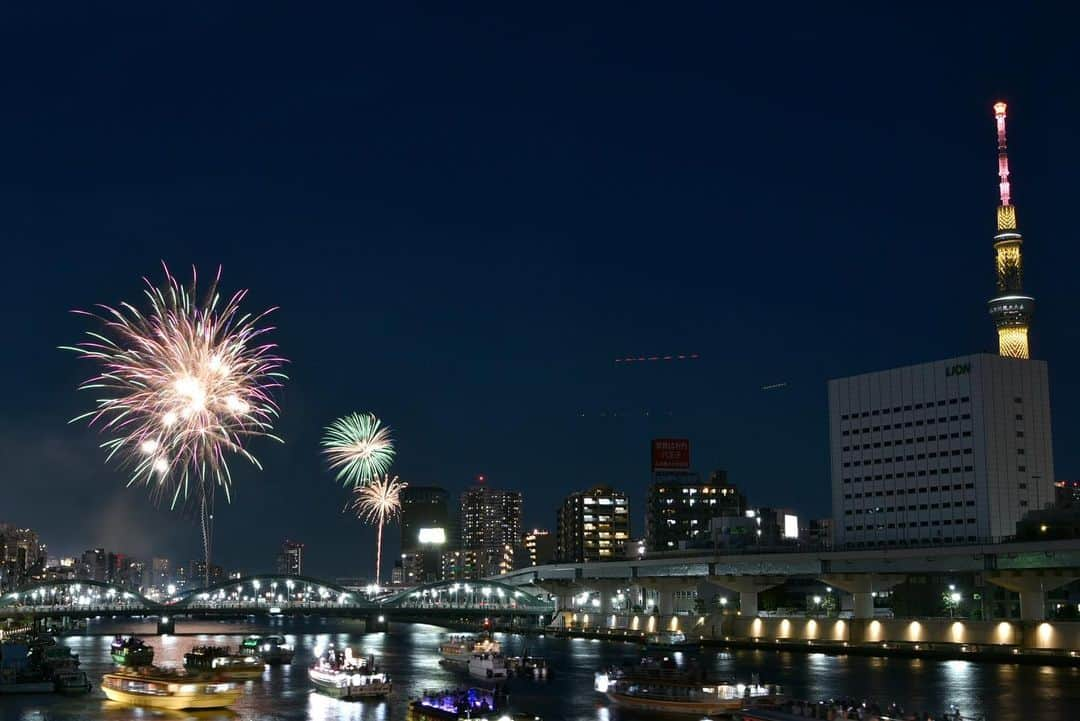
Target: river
{"type": "Point", "coordinates": [1000, 692]}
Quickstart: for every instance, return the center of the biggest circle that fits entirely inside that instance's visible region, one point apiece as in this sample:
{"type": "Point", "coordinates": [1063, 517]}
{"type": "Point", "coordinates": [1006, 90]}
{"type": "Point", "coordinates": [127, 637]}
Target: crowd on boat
{"type": "Point", "coordinates": [462, 703]}
{"type": "Point", "coordinates": [847, 709]}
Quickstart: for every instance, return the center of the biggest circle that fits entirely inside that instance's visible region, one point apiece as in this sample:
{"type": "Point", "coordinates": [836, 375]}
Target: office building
{"type": "Point", "coordinates": [953, 451]}
{"type": "Point", "coordinates": [758, 529]}
{"type": "Point", "coordinates": [681, 508]}
{"type": "Point", "coordinates": [460, 565]}
{"type": "Point", "coordinates": [94, 565]}
{"type": "Point", "coordinates": [290, 559]}
{"type": "Point", "coordinates": [540, 545]}
{"type": "Point", "coordinates": [197, 574]}
{"type": "Point", "coordinates": [1067, 494]}
{"type": "Point", "coordinates": [20, 549]}
{"type": "Point", "coordinates": [424, 516]}
{"type": "Point", "coordinates": [819, 533]}
{"type": "Point", "coordinates": [426, 531]}
{"type": "Point", "coordinates": [491, 523]}
{"type": "Point", "coordinates": [594, 525]}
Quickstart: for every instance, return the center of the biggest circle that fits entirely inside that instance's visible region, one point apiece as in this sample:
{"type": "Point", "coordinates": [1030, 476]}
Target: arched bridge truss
{"type": "Point", "coordinates": [273, 594]}
{"type": "Point", "coordinates": [77, 598]}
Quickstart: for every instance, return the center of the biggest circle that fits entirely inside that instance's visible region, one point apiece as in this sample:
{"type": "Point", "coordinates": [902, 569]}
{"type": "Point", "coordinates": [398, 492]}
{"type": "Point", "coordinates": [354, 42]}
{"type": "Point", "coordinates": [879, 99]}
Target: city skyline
{"type": "Point", "coordinates": [513, 260]}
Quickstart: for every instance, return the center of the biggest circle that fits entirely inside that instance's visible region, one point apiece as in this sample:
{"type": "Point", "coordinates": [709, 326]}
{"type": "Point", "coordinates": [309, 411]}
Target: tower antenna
{"type": "Point", "coordinates": [1010, 309]}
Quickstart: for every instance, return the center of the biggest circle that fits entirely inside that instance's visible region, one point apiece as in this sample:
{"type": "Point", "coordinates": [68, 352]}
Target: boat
{"type": "Point", "coordinates": [669, 641]}
{"type": "Point", "coordinates": [272, 649]}
{"type": "Point", "coordinates": [673, 691]}
{"type": "Point", "coordinates": [25, 682]}
{"type": "Point", "coordinates": [478, 704]}
{"type": "Point", "coordinates": [459, 649]}
{"type": "Point", "coordinates": [18, 671]}
{"type": "Point", "coordinates": [534, 667]}
{"type": "Point", "coordinates": [339, 674]}
{"type": "Point", "coordinates": [71, 681]}
{"type": "Point", "coordinates": [486, 664]}
{"type": "Point", "coordinates": [168, 689]}
{"type": "Point", "coordinates": [221, 659]}
{"type": "Point", "coordinates": [131, 651]}
{"type": "Point", "coordinates": [842, 709]}
{"type": "Point", "coordinates": [62, 666]}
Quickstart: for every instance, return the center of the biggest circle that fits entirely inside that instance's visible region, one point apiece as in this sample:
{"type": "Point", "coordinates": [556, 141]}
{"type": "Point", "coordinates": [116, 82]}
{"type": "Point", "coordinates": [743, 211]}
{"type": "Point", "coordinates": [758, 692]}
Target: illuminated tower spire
{"type": "Point", "coordinates": [1010, 308]}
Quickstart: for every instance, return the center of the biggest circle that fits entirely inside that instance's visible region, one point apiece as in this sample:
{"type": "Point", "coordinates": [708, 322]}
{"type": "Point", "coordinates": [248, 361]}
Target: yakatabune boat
{"type": "Point", "coordinates": [671, 691]}
{"type": "Point", "coordinates": [221, 659]}
{"type": "Point", "coordinates": [165, 689]}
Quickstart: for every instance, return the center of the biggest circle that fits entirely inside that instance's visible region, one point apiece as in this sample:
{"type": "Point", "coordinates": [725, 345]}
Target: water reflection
{"type": "Point", "coordinates": [409, 654]}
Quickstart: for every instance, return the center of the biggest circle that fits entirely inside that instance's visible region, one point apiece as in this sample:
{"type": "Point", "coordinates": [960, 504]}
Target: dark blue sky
{"type": "Point", "coordinates": [465, 216]}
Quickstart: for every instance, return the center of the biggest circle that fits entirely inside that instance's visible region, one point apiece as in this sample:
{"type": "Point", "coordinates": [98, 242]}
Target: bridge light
{"type": "Point", "coordinates": [486, 590]}
{"type": "Point", "coordinates": [255, 584]}
{"type": "Point", "coordinates": [171, 589]}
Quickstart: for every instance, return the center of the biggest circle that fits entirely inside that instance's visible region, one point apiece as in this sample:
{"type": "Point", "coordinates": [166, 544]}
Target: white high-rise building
{"type": "Point", "coordinates": [953, 451]}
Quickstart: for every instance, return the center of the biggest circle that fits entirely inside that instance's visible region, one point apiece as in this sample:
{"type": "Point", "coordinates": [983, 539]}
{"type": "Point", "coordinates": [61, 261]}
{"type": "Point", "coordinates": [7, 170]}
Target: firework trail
{"type": "Point", "coordinates": [182, 386]}
{"type": "Point", "coordinates": [378, 502]}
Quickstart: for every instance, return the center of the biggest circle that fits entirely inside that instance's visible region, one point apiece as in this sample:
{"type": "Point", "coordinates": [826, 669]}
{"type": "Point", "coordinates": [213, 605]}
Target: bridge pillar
{"type": "Point", "coordinates": [862, 587]}
{"type": "Point", "coordinates": [862, 604]}
{"type": "Point", "coordinates": [375, 622]}
{"type": "Point", "coordinates": [748, 588]}
{"type": "Point", "coordinates": [665, 600]}
{"type": "Point", "coordinates": [166, 625]}
{"type": "Point", "coordinates": [1032, 586]}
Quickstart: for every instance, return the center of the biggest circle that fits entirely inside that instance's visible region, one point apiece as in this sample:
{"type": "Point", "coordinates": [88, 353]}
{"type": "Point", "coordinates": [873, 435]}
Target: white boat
{"type": "Point", "coordinates": [669, 641]}
{"type": "Point", "coordinates": [339, 674]}
{"type": "Point", "coordinates": [488, 665]}
{"type": "Point", "coordinates": [459, 649]}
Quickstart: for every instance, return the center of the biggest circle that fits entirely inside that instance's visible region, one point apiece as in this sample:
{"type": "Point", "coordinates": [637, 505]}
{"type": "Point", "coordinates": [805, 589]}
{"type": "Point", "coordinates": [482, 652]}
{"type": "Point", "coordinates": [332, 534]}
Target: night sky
{"type": "Point", "coordinates": [466, 216]}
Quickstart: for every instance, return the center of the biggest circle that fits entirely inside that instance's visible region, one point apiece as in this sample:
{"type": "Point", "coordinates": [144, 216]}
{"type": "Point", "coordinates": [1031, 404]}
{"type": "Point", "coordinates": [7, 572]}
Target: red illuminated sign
{"type": "Point", "coordinates": [670, 454]}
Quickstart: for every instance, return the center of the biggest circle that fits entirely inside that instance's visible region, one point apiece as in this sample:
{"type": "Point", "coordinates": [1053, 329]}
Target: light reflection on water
{"type": "Point", "coordinates": [409, 654]}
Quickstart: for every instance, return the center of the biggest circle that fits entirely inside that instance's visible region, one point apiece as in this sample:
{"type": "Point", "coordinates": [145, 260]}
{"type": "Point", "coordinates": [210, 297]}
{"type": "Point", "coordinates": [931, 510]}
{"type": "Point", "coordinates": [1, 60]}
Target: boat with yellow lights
{"type": "Point", "coordinates": [167, 689]}
{"type": "Point", "coordinates": [459, 649]}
